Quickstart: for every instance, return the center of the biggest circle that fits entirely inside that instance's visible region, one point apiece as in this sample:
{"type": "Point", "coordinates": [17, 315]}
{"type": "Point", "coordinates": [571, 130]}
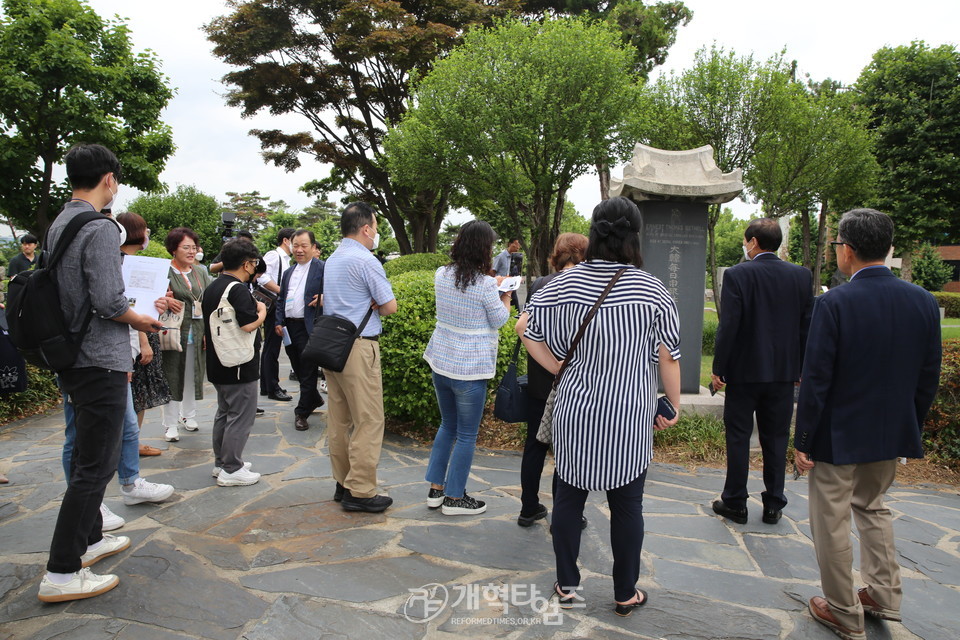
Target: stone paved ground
{"type": "Point", "coordinates": [281, 560]}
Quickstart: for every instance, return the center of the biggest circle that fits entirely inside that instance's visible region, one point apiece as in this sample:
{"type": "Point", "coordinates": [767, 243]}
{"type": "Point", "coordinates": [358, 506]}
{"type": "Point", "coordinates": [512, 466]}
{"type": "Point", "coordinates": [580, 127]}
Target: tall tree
{"type": "Point", "coordinates": [818, 154]}
{"type": "Point", "coordinates": [913, 95]}
{"type": "Point", "coordinates": [68, 76]}
{"type": "Point", "coordinates": [188, 207]}
{"type": "Point", "coordinates": [344, 66]}
{"type": "Point", "coordinates": [516, 114]}
{"type": "Point", "coordinates": [724, 100]}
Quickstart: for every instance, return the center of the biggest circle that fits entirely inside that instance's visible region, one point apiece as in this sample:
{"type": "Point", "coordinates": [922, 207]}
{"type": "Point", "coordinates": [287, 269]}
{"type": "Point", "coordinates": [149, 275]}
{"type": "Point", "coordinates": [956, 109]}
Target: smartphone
{"type": "Point", "coordinates": [713, 389]}
{"type": "Point", "coordinates": [665, 408]}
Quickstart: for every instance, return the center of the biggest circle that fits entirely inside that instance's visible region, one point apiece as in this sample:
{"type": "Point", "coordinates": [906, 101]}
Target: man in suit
{"type": "Point", "coordinates": [765, 310]}
{"type": "Point", "coordinates": [870, 374]}
{"type": "Point", "coordinates": [300, 289]}
{"type": "Point", "coordinates": [278, 262]}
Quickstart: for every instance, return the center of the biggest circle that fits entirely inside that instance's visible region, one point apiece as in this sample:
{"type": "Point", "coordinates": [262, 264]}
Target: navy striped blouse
{"type": "Point", "coordinates": [606, 400]}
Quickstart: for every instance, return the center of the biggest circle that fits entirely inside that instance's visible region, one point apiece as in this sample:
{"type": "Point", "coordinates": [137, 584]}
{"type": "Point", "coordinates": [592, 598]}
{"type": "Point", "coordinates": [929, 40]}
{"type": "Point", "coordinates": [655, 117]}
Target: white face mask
{"type": "Point", "coordinates": [113, 195]}
{"type": "Point", "coordinates": [376, 241]}
{"type": "Point", "coordinates": [199, 256]}
{"type": "Point", "coordinates": [123, 231]}
{"type": "Point", "coordinates": [146, 243]}
{"type": "Point", "coordinates": [746, 253]}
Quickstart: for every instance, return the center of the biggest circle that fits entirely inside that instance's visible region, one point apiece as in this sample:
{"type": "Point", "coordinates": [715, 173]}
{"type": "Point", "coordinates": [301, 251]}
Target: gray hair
{"type": "Point", "coordinates": [868, 232]}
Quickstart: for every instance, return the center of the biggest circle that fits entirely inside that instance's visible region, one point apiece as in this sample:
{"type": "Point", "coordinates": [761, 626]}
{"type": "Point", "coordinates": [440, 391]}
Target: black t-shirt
{"type": "Point", "coordinates": [539, 380]}
{"type": "Point", "coordinates": [20, 263]}
{"type": "Point", "coordinates": [246, 309]}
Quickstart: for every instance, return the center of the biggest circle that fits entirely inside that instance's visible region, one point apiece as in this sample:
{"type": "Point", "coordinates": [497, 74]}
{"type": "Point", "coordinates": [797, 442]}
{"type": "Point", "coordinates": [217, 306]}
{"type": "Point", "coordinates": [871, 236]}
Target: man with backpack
{"type": "Point", "coordinates": [91, 296]}
{"type": "Point", "coordinates": [231, 319]}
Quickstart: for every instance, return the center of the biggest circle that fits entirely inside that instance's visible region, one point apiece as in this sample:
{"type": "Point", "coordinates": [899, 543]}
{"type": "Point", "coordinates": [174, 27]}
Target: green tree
{"type": "Point", "coordinates": [515, 115]}
{"type": "Point", "coordinates": [929, 269]}
{"type": "Point", "coordinates": [185, 207]}
{"type": "Point", "coordinates": [69, 76]}
{"type": "Point", "coordinates": [344, 66]}
{"type": "Point", "coordinates": [912, 94]}
{"type": "Point", "coordinates": [728, 233]}
{"type": "Point", "coordinates": [724, 100]}
{"type": "Point", "coordinates": [818, 153]}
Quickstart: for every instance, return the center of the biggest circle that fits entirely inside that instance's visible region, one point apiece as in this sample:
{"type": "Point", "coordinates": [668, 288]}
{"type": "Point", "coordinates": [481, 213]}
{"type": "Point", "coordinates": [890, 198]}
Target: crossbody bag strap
{"type": "Point", "coordinates": [583, 325]}
{"type": "Point", "coordinates": [366, 319]}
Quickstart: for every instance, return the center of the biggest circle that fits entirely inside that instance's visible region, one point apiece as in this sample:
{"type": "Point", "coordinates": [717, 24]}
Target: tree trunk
{"type": "Point", "coordinates": [603, 171]}
{"type": "Point", "coordinates": [43, 207]}
{"type": "Point", "coordinates": [540, 231]}
{"type": "Point", "coordinates": [713, 215]}
{"type": "Point", "coordinates": [906, 266]}
{"type": "Point", "coordinates": [821, 244]}
{"type": "Point", "coordinates": [806, 238]}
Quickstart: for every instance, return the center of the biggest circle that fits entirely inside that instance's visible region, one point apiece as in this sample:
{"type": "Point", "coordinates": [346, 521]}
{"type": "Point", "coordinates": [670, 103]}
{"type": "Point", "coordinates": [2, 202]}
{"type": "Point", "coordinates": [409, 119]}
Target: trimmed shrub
{"type": "Point", "coordinates": [408, 392]}
{"type": "Point", "coordinates": [950, 302]}
{"type": "Point", "coordinates": [41, 394]}
{"type": "Point", "coordinates": [709, 336]}
{"type": "Point", "coordinates": [929, 270]}
{"type": "Point", "coordinates": [416, 262]}
{"type": "Point", "coordinates": [941, 431]}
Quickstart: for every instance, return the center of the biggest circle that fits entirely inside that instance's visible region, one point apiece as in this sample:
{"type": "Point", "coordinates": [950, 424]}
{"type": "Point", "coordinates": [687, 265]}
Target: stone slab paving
{"type": "Point", "coordinates": [281, 560]}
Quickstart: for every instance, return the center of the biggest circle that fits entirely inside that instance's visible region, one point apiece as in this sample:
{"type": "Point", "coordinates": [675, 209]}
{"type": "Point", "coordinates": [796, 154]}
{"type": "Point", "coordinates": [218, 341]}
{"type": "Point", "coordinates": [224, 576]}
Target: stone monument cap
{"type": "Point", "coordinates": [690, 175]}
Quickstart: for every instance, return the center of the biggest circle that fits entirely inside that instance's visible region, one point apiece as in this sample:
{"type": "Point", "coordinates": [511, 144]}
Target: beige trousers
{"type": "Point", "coordinates": [835, 490]}
{"type": "Point", "coordinates": [355, 419]}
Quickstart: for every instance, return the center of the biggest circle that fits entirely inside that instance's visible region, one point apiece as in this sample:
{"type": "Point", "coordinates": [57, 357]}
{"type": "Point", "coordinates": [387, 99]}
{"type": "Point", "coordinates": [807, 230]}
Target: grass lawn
{"type": "Point", "coordinates": [950, 328]}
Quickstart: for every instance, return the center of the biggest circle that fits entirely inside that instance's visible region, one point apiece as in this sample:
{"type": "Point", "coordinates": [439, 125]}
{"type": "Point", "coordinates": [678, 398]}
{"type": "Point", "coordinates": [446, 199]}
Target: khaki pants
{"type": "Point", "coordinates": [834, 491]}
{"type": "Point", "coordinates": [355, 419]}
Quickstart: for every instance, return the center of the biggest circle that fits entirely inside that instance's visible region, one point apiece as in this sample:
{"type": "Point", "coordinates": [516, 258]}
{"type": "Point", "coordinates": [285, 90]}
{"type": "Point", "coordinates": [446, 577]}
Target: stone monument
{"type": "Point", "coordinates": [672, 190]}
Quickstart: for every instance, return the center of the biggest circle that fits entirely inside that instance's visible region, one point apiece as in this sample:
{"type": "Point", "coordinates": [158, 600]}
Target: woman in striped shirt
{"type": "Point", "coordinates": [462, 353]}
{"type": "Point", "coordinates": [605, 408]}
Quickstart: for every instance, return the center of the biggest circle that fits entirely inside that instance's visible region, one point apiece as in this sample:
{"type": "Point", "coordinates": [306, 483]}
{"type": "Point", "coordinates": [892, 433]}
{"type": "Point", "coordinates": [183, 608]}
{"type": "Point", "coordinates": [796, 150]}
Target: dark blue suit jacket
{"type": "Point", "coordinates": [765, 311]}
{"type": "Point", "coordinates": [870, 372]}
{"type": "Point", "coordinates": [313, 286]}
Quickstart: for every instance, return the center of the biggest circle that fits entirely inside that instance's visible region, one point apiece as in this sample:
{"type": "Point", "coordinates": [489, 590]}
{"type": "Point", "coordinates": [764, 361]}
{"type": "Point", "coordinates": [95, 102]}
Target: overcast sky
{"type": "Point", "coordinates": [828, 38]}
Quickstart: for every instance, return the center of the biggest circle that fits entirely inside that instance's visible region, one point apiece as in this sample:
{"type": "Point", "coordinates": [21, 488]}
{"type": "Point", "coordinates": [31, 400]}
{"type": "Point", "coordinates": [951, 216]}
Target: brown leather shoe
{"type": "Point", "coordinates": [301, 423]}
{"type": "Point", "coordinates": [820, 611]}
{"type": "Point", "coordinates": [147, 450]}
{"type": "Point", "coordinates": [870, 606]}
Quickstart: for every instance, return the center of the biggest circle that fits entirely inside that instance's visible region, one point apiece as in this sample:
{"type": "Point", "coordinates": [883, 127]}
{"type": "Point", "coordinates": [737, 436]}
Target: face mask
{"type": "Point", "coordinates": [199, 256]}
{"type": "Point", "coordinates": [745, 253]}
{"type": "Point", "coordinates": [146, 243]}
{"type": "Point", "coordinates": [123, 231]}
{"type": "Point", "coordinates": [113, 195]}
{"type": "Point", "coordinates": [376, 241]}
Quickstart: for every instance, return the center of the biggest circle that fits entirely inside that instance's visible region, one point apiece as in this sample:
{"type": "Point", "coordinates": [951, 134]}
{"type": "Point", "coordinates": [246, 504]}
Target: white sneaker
{"type": "Point", "coordinates": [216, 470]}
{"type": "Point", "coordinates": [143, 491]}
{"type": "Point", "coordinates": [322, 385]}
{"type": "Point", "coordinates": [172, 434]}
{"type": "Point", "coordinates": [111, 520]}
{"type": "Point", "coordinates": [109, 546]}
{"type": "Point", "coordinates": [189, 424]}
{"type": "Point", "coordinates": [239, 478]}
{"type": "Point", "coordinates": [85, 584]}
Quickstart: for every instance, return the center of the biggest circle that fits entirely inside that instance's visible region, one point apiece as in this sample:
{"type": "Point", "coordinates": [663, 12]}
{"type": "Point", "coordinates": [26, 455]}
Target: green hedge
{"type": "Point", "coordinates": [941, 431]}
{"type": "Point", "coordinates": [41, 394]}
{"type": "Point", "coordinates": [416, 262]}
{"type": "Point", "coordinates": [949, 301]}
{"type": "Point", "coordinates": [408, 393]}
{"type": "Point", "coordinates": [709, 336]}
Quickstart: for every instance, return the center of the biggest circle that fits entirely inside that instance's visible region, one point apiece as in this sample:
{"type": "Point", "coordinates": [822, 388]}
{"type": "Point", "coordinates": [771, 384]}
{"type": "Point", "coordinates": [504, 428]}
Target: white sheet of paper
{"type": "Point", "coordinates": [145, 280]}
{"type": "Point", "coordinates": [510, 284]}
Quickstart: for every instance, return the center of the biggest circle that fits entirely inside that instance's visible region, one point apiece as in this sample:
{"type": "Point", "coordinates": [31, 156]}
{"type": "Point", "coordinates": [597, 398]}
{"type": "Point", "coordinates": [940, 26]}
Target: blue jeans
{"type": "Point", "coordinates": [461, 407]}
{"type": "Point", "coordinates": [128, 469]}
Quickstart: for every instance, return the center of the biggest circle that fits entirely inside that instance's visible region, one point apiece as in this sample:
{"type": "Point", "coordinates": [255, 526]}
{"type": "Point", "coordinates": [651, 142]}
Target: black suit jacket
{"type": "Point", "coordinates": [765, 311]}
{"type": "Point", "coordinates": [313, 286]}
{"type": "Point", "coordinates": [871, 371]}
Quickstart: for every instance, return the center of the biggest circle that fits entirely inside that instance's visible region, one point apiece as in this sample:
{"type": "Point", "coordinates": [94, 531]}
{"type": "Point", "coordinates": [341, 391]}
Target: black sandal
{"type": "Point", "coordinates": [624, 610]}
{"type": "Point", "coordinates": [566, 600]}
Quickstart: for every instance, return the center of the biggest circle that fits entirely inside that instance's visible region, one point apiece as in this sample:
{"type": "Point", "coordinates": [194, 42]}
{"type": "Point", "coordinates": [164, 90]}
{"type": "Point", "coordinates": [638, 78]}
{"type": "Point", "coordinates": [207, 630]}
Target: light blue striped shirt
{"type": "Point", "coordinates": [464, 343]}
{"type": "Point", "coordinates": [352, 279]}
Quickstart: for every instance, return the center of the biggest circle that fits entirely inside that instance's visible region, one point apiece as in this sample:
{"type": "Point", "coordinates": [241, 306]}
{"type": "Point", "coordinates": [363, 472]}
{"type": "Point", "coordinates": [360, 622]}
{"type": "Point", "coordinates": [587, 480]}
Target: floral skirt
{"type": "Point", "coordinates": [149, 384]}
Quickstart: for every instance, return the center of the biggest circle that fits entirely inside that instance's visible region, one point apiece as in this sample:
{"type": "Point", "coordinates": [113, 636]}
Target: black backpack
{"type": "Point", "coordinates": [38, 327]}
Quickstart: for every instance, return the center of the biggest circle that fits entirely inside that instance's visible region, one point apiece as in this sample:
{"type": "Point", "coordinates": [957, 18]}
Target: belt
{"type": "Point", "coordinates": [374, 338]}
{"type": "Point", "coordinates": [295, 320]}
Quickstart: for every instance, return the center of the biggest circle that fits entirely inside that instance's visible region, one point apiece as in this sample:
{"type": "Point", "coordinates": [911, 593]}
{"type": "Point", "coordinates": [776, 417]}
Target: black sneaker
{"type": "Point", "coordinates": [338, 493]}
{"type": "Point", "coordinates": [376, 504]}
{"type": "Point", "coordinates": [260, 412]}
{"type": "Point", "coordinates": [526, 520]}
{"type": "Point", "coordinates": [435, 498]}
{"type": "Point", "coordinates": [464, 506]}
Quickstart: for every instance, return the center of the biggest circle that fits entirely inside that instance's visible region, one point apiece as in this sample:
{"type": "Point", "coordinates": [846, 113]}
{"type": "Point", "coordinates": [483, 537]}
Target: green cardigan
{"type": "Point", "coordinates": [175, 362]}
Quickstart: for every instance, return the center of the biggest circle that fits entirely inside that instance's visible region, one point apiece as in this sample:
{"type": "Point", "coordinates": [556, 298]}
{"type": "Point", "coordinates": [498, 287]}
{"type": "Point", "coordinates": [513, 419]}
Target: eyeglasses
{"type": "Point", "coordinates": [148, 232]}
{"type": "Point", "coordinates": [255, 261]}
{"type": "Point", "coordinates": [189, 247]}
{"type": "Point", "coordinates": [837, 243]}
